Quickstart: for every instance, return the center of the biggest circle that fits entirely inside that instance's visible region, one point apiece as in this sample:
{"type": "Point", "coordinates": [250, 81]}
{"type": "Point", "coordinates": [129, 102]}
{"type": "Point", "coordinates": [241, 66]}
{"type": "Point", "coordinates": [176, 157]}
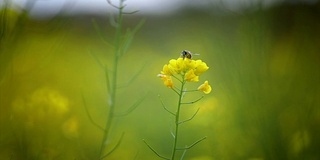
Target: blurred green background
{"type": "Point", "coordinates": [264, 72]}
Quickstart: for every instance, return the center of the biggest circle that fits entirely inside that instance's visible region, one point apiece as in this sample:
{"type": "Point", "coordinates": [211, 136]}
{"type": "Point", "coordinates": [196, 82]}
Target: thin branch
{"type": "Point", "coordinates": [111, 4]}
{"type": "Point", "coordinates": [193, 101]}
{"type": "Point", "coordinates": [190, 117]}
{"type": "Point", "coordinates": [114, 148]}
{"type": "Point", "coordinates": [154, 151]}
{"type": "Point", "coordinates": [105, 67]}
{"type": "Point", "coordinates": [129, 36]}
{"type": "Point", "coordinates": [108, 79]}
{"type": "Point", "coordinates": [172, 134]}
{"type": "Point", "coordinates": [177, 78]}
{"type": "Point", "coordinates": [195, 90]}
{"type": "Point", "coordinates": [89, 115]}
{"type": "Point", "coordinates": [183, 93]}
{"type": "Point", "coordinates": [183, 154]}
{"type": "Point", "coordinates": [98, 30]}
{"type": "Point", "coordinates": [96, 58]}
{"type": "Point", "coordinates": [132, 107]}
{"type": "Point", "coordinates": [193, 144]}
{"type": "Point", "coordinates": [176, 88]}
{"type": "Point", "coordinates": [121, 7]}
{"type": "Point", "coordinates": [133, 78]}
{"type": "Point", "coordinates": [175, 91]}
{"type": "Point", "coordinates": [166, 107]}
{"type": "Point", "coordinates": [133, 12]}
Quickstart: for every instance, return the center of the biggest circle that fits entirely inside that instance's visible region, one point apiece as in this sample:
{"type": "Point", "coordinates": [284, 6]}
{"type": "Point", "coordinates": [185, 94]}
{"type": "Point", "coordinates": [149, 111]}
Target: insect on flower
{"type": "Point", "coordinates": [187, 54]}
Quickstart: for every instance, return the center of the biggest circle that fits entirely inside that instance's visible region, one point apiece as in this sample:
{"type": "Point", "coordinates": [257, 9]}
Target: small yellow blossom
{"type": "Point", "coordinates": [167, 80]}
{"type": "Point", "coordinates": [190, 64]}
{"type": "Point", "coordinates": [205, 87]}
{"type": "Point", "coordinates": [176, 65]}
{"type": "Point", "coordinates": [191, 77]}
{"type": "Point", "coordinates": [200, 67]}
{"type": "Point", "coordinates": [166, 70]}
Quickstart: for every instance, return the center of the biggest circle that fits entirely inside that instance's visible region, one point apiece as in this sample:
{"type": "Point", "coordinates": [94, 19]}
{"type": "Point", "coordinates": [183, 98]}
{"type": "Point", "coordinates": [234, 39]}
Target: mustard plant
{"type": "Point", "coordinates": [184, 70]}
{"type": "Point", "coordinates": [121, 43]}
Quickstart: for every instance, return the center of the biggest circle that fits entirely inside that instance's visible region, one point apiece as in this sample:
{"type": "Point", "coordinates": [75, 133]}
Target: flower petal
{"type": "Point", "coordinates": [167, 80]}
{"type": "Point", "coordinates": [201, 67]}
{"type": "Point", "coordinates": [191, 77]}
{"type": "Point", "coordinates": [205, 87]}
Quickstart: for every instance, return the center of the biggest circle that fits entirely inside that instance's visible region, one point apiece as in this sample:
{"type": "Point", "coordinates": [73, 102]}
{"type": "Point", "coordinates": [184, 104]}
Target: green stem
{"type": "Point", "coordinates": [177, 115]}
{"type": "Point", "coordinates": [112, 98]}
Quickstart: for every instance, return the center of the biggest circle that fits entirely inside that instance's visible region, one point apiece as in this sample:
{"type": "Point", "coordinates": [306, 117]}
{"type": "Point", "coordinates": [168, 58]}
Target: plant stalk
{"type": "Point", "coordinates": [112, 97]}
{"type": "Point", "coordinates": [177, 117]}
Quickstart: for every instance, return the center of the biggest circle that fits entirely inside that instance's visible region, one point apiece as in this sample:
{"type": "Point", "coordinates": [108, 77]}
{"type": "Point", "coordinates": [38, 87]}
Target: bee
{"type": "Point", "coordinates": [187, 54]}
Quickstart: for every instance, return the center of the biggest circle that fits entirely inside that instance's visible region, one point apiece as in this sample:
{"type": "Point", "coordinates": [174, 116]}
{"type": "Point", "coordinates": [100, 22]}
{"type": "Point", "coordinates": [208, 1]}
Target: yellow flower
{"type": "Point", "coordinates": [166, 70]}
{"type": "Point", "coordinates": [191, 77]}
{"type": "Point", "coordinates": [187, 68]}
{"type": "Point", "coordinates": [189, 64]}
{"type": "Point", "coordinates": [200, 67]}
{"type": "Point", "coordinates": [176, 65]}
{"type": "Point", "coordinates": [167, 80]}
{"type": "Point", "coordinates": [205, 87]}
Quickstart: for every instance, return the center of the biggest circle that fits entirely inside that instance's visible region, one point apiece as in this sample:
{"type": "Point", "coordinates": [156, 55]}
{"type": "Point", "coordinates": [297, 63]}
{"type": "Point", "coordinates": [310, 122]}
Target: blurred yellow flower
{"type": "Point", "coordinates": [70, 128]}
{"type": "Point", "coordinates": [205, 87]}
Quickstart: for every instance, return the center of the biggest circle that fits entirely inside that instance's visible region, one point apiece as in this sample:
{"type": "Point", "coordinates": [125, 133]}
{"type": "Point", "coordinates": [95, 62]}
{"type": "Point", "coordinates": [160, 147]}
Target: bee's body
{"type": "Point", "coordinates": [186, 54]}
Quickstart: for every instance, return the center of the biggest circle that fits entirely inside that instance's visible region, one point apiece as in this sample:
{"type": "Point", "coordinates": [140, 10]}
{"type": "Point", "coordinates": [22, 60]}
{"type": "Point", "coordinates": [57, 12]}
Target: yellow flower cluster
{"type": "Point", "coordinates": [188, 69]}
